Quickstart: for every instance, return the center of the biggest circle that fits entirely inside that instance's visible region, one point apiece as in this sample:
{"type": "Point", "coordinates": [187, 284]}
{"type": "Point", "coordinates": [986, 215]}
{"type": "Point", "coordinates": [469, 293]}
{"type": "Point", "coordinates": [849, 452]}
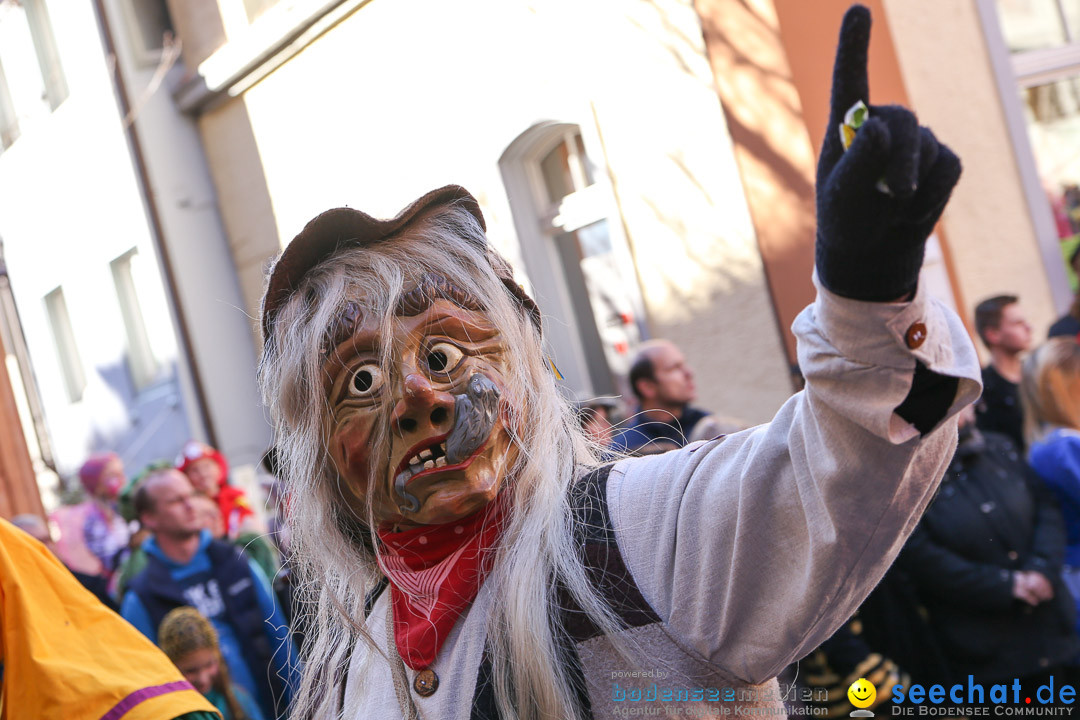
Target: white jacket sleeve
{"type": "Point", "coordinates": [754, 548]}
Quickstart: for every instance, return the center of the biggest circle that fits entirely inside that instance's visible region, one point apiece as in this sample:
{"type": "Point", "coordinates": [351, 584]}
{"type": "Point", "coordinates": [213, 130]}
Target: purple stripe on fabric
{"type": "Point", "coordinates": [120, 709]}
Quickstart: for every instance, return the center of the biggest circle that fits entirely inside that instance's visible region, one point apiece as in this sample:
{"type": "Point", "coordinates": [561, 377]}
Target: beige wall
{"type": "Point", "coordinates": [405, 96]}
{"type": "Point", "coordinates": [950, 82]}
{"type": "Point", "coordinates": [243, 200]}
{"type": "Point", "coordinates": [684, 205]}
{"type": "Point", "coordinates": [776, 161]}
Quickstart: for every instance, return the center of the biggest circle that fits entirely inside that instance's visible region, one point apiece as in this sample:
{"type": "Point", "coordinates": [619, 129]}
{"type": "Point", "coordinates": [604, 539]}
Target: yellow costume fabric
{"type": "Point", "coordinates": [66, 655]}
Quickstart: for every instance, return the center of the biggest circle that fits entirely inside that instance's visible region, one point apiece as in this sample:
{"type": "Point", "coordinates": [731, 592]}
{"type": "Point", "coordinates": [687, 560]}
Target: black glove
{"type": "Point", "coordinates": [870, 243]}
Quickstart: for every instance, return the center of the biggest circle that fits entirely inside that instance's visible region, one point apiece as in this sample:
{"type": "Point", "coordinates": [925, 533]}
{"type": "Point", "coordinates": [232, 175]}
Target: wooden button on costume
{"type": "Point", "coordinates": [465, 554]}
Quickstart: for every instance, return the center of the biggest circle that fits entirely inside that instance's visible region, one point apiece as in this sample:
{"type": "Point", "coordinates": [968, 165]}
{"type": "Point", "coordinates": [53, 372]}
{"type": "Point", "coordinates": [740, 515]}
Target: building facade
{"type": "Point", "coordinates": [591, 133]}
{"type": "Point", "coordinates": [102, 208]}
{"type": "Point", "coordinates": [647, 166]}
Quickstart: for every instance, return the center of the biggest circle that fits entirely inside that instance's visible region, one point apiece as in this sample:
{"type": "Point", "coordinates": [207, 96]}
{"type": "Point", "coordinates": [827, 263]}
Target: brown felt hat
{"type": "Point", "coordinates": [343, 228]}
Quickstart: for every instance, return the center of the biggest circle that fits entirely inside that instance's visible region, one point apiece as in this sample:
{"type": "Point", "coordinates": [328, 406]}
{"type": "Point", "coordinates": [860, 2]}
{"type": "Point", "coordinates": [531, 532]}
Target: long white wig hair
{"type": "Point", "coordinates": [335, 551]}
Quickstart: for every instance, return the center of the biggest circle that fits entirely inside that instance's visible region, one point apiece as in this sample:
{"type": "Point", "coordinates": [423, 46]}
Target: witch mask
{"type": "Point", "coordinates": [415, 416]}
{"type": "Point", "coordinates": [422, 434]}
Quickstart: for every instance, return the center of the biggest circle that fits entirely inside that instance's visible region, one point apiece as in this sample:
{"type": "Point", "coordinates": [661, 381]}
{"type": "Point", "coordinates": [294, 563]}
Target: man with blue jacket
{"type": "Point", "coordinates": [664, 386]}
{"type": "Point", "coordinates": [186, 566]}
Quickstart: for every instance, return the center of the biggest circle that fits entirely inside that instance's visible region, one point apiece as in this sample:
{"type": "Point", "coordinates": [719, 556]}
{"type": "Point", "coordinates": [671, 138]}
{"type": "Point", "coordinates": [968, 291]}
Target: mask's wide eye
{"type": "Point", "coordinates": [366, 380]}
{"type": "Point", "coordinates": [443, 357]}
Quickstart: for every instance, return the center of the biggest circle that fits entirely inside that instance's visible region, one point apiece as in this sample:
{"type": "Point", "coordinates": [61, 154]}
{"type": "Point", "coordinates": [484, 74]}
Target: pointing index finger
{"type": "Point", "coordinates": [850, 82]}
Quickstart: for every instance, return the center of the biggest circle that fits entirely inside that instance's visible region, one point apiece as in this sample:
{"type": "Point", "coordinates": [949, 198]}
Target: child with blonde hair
{"type": "Point", "coordinates": [1050, 391]}
{"type": "Point", "coordinates": [191, 642]}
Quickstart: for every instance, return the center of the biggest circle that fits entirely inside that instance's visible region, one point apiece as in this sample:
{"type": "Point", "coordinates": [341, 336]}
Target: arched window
{"type": "Point", "coordinates": [576, 256]}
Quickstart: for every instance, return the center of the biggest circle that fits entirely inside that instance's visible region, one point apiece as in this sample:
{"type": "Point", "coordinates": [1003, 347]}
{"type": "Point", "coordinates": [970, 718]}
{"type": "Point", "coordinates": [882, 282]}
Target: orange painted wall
{"type": "Point", "coordinates": [772, 60]}
{"type": "Point", "coordinates": [771, 145]}
{"type": "Point", "coordinates": [808, 32]}
{"type": "Point", "coordinates": [18, 485]}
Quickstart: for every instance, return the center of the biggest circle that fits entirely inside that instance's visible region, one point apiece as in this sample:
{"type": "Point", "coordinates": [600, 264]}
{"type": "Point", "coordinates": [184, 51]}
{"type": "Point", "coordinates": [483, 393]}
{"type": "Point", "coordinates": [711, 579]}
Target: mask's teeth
{"type": "Point", "coordinates": [429, 457]}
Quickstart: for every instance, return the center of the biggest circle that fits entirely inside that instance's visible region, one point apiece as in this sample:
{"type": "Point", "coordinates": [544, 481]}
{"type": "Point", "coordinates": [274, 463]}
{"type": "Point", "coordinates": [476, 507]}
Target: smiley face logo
{"type": "Point", "coordinates": [862, 693]}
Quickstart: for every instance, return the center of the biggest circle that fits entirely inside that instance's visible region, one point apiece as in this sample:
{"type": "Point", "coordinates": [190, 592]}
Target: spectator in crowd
{"type": "Point", "coordinates": [208, 472]}
{"type": "Point", "coordinates": [595, 416]}
{"type": "Point", "coordinates": [191, 642]}
{"type": "Point", "coordinates": [1051, 396]}
{"type": "Point", "coordinates": [66, 656]}
{"type": "Point", "coordinates": [887, 641]}
{"type": "Point", "coordinates": [840, 661]}
{"type": "Point", "coordinates": [1069, 324]}
{"type": "Point", "coordinates": [36, 528]}
{"type": "Point", "coordinates": [713, 426]}
{"type": "Point", "coordinates": [93, 534]}
{"type": "Point", "coordinates": [253, 544]}
{"type": "Point", "coordinates": [1005, 331]}
{"type": "Point", "coordinates": [209, 515]}
{"type": "Point", "coordinates": [186, 566]}
{"type": "Point", "coordinates": [106, 531]}
{"type": "Point", "coordinates": [126, 501]}
{"type": "Point", "coordinates": [986, 559]}
{"type": "Point", "coordinates": [664, 386]}
{"type": "Point", "coordinates": [277, 503]}
{"type": "Point", "coordinates": [135, 560]}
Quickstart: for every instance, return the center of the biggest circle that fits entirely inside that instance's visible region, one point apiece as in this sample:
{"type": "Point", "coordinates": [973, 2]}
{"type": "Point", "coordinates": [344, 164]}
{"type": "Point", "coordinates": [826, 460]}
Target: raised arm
{"type": "Point", "coordinates": [753, 549]}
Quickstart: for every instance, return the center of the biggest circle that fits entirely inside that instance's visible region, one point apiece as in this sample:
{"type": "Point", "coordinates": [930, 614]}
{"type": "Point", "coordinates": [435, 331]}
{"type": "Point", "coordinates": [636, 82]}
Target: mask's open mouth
{"type": "Point", "coordinates": [427, 458]}
{"type": "Point", "coordinates": [427, 455]}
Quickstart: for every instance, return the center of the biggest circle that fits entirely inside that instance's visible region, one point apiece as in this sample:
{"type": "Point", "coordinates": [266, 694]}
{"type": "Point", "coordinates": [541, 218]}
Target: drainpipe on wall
{"type": "Point", "coordinates": [157, 232]}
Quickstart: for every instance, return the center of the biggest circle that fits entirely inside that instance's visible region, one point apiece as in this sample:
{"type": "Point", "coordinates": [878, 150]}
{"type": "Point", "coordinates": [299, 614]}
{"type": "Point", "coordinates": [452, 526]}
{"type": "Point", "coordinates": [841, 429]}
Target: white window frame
{"type": "Point", "coordinates": [67, 350]}
{"type": "Point", "coordinates": [143, 366]}
{"type": "Point", "coordinates": [48, 56]}
{"type": "Point", "coordinates": [1013, 72]}
{"type": "Point", "coordinates": [9, 121]}
{"type": "Point", "coordinates": [538, 223]}
{"type": "Point", "coordinates": [142, 55]}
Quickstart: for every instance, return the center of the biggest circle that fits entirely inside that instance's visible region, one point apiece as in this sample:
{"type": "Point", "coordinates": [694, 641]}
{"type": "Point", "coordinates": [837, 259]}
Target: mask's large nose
{"type": "Point", "coordinates": [422, 410]}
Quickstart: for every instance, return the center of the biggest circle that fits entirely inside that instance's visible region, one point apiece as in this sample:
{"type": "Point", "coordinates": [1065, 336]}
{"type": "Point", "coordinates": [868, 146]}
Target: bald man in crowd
{"type": "Point", "coordinates": [187, 566]}
{"type": "Point", "coordinates": [664, 386]}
